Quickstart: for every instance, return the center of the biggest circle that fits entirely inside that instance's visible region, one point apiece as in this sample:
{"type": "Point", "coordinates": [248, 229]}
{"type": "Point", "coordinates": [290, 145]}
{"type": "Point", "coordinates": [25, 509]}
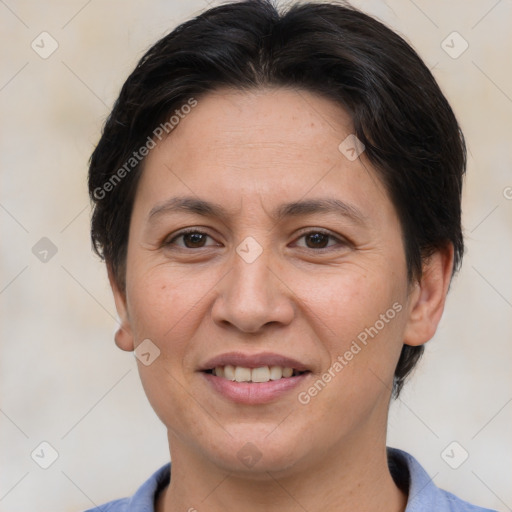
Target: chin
{"type": "Point", "coordinates": [252, 452]}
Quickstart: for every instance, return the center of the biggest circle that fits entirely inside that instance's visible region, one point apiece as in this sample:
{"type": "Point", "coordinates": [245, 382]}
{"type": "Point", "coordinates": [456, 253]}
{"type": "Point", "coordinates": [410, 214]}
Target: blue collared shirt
{"type": "Point", "coordinates": [423, 495]}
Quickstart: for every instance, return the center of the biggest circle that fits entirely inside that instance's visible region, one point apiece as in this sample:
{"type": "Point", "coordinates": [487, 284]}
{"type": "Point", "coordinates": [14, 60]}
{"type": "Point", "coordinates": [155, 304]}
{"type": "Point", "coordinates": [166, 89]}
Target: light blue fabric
{"type": "Point", "coordinates": [424, 496]}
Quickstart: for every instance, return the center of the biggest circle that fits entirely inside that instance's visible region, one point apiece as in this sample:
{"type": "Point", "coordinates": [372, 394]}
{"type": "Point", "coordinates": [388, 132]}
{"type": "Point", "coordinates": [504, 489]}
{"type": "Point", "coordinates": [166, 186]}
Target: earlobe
{"type": "Point", "coordinates": [124, 335]}
{"type": "Point", "coordinates": [428, 297]}
{"type": "Point", "coordinates": [124, 338]}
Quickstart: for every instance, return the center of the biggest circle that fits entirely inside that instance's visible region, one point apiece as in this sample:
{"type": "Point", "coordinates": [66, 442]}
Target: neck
{"type": "Point", "coordinates": [355, 477]}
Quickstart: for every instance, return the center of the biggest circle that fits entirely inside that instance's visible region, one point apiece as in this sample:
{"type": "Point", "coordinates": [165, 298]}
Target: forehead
{"type": "Point", "coordinates": [273, 122]}
{"type": "Point", "coordinates": [268, 144]}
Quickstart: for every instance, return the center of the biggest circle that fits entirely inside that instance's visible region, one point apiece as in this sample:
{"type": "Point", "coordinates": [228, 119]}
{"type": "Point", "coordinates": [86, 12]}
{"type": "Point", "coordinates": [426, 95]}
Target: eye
{"type": "Point", "coordinates": [319, 240]}
{"type": "Point", "coordinates": [190, 239]}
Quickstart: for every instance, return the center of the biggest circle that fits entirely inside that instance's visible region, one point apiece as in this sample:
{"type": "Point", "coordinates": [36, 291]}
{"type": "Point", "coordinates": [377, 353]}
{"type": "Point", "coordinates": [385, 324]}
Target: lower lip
{"type": "Point", "coordinates": [253, 393]}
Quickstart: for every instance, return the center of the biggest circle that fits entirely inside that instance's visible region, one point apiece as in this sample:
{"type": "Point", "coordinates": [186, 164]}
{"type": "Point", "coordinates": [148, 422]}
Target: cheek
{"type": "Point", "coordinates": [358, 319]}
{"type": "Point", "coordinates": [358, 316]}
{"type": "Point", "coordinates": [165, 307]}
{"type": "Point", "coordinates": [349, 298]}
{"type": "Point", "coordinates": [164, 304]}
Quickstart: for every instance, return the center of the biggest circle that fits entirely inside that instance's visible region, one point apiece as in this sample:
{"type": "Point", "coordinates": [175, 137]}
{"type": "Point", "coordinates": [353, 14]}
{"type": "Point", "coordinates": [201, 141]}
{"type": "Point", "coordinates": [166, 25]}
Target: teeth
{"type": "Point", "coordinates": [260, 374]}
{"type": "Point", "coordinates": [276, 372]}
{"type": "Point", "coordinates": [243, 374]}
{"type": "Point", "coordinates": [229, 372]}
{"type": "Point", "coordinates": [287, 372]}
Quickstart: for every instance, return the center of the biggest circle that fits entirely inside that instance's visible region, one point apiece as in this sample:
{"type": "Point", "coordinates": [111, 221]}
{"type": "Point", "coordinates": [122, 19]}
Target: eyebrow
{"type": "Point", "coordinates": [187, 204]}
{"type": "Point", "coordinates": [292, 209]}
{"type": "Point", "coordinates": [324, 205]}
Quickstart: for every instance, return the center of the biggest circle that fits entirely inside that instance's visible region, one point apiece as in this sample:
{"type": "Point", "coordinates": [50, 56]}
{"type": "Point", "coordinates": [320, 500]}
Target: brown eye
{"type": "Point", "coordinates": [190, 240]}
{"type": "Point", "coordinates": [317, 240]}
{"type": "Point", "coordinates": [193, 240]}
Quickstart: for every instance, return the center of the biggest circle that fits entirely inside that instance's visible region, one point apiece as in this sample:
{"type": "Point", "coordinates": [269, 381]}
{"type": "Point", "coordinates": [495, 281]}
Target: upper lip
{"type": "Point", "coordinates": [253, 361]}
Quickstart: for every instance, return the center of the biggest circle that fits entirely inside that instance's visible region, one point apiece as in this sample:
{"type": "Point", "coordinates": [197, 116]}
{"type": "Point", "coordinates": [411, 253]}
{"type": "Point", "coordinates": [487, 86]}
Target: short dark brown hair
{"type": "Point", "coordinates": [399, 113]}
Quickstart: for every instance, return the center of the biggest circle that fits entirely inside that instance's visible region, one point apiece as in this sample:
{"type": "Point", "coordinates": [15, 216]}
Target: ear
{"type": "Point", "coordinates": [124, 335]}
{"type": "Point", "coordinates": [428, 297]}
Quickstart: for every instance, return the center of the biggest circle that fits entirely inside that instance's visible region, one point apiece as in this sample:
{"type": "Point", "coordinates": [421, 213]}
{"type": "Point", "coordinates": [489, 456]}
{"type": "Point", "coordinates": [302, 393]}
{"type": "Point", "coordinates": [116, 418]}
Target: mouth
{"type": "Point", "coordinates": [260, 374]}
{"type": "Point", "coordinates": [253, 379]}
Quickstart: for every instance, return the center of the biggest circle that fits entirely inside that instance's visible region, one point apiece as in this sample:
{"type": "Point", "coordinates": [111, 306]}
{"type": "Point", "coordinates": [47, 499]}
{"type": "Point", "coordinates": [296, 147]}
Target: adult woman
{"type": "Point", "coordinates": [277, 198]}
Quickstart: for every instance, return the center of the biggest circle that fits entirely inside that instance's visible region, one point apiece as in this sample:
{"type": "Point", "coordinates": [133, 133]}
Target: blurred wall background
{"type": "Point", "coordinates": [64, 382]}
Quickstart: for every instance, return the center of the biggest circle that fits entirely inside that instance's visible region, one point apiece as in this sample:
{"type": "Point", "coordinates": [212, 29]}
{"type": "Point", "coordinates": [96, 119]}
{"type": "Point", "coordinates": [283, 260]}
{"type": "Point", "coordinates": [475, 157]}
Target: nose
{"type": "Point", "coordinates": [253, 295]}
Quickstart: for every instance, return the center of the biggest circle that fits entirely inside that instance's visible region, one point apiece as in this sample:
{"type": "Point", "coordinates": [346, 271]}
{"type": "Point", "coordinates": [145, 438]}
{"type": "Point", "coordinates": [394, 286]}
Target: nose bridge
{"type": "Point", "coordinates": [251, 272]}
{"type": "Point", "coordinates": [251, 296]}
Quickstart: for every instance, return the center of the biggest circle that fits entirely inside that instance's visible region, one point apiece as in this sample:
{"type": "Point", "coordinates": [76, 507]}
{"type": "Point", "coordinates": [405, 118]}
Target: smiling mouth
{"type": "Point", "coordinates": [256, 375]}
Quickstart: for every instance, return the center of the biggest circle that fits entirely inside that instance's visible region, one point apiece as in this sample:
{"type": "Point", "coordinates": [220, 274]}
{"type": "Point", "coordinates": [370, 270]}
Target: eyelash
{"type": "Point", "coordinates": [304, 234]}
{"type": "Point", "coordinates": [183, 233]}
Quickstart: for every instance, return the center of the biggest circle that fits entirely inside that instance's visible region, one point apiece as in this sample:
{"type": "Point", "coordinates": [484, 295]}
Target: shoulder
{"type": "Point", "coordinates": [144, 498]}
{"type": "Point", "coordinates": [455, 504]}
{"type": "Point", "coordinates": [423, 494]}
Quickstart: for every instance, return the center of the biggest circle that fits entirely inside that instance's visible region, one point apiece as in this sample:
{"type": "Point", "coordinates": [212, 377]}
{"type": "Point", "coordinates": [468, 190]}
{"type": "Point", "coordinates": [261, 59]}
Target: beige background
{"type": "Point", "coordinates": [62, 379]}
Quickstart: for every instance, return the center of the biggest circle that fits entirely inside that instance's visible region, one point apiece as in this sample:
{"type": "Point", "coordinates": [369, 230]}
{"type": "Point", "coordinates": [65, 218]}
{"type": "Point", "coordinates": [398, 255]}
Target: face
{"type": "Point", "coordinates": [256, 245]}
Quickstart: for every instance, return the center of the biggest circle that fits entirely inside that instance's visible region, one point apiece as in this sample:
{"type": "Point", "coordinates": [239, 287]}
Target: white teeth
{"type": "Point", "coordinates": [229, 372]}
{"type": "Point", "coordinates": [243, 374]}
{"type": "Point", "coordinates": [276, 372]}
{"type": "Point", "coordinates": [287, 372]}
{"type": "Point", "coordinates": [260, 374]}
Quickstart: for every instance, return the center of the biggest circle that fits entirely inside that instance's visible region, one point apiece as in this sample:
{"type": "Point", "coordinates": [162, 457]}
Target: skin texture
{"type": "Point", "coordinates": [250, 152]}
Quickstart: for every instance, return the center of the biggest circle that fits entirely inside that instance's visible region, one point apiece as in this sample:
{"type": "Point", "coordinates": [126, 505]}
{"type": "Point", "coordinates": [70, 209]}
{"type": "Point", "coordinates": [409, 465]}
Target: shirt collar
{"type": "Point", "coordinates": [423, 494]}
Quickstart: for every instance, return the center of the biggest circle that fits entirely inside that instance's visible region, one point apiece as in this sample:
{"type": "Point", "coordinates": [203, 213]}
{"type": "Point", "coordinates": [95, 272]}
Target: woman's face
{"type": "Point", "coordinates": [294, 259]}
